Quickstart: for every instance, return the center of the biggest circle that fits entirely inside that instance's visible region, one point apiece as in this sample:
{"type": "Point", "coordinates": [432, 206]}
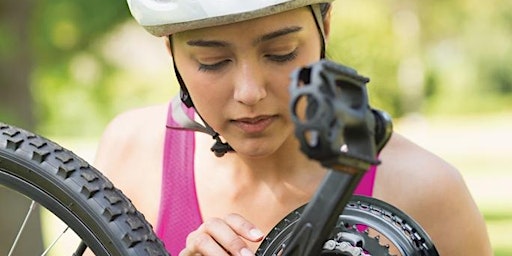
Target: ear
{"type": "Point", "coordinates": [168, 44]}
{"type": "Point", "coordinates": [327, 24]}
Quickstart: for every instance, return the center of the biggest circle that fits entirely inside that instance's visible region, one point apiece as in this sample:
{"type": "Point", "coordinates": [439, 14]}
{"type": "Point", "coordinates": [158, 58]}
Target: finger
{"type": "Point", "coordinates": [187, 252]}
{"type": "Point", "coordinates": [226, 236]}
{"type": "Point", "coordinates": [243, 227]}
{"type": "Point", "coordinates": [201, 243]}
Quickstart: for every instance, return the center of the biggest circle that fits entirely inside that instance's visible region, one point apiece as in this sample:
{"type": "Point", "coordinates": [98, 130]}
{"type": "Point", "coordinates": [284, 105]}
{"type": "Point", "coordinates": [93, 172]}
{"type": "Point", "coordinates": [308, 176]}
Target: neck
{"type": "Point", "coordinates": [286, 164]}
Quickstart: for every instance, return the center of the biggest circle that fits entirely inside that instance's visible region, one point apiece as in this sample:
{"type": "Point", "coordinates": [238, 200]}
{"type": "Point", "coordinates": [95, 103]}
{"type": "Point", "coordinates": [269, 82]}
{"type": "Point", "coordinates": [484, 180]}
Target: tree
{"type": "Point", "coordinates": [16, 63]}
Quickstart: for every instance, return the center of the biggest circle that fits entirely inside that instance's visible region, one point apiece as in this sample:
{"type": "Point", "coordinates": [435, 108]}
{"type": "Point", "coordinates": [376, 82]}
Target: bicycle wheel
{"type": "Point", "coordinates": [367, 226]}
{"type": "Point", "coordinates": [74, 191]}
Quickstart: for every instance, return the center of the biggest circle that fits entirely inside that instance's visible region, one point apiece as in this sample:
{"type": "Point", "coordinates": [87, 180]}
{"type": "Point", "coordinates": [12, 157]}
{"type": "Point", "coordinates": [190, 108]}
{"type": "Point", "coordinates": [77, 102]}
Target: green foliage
{"type": "Point", "coordinates": [435, 57]}
{"type": "Point", "coordinates": [7, 41]}
{"type": "Point", "coordinates": [361, 37]}
{"type": "Point", "coordinates": [71, 75]}
{"type": "Point", "coordinates": [62, 28]}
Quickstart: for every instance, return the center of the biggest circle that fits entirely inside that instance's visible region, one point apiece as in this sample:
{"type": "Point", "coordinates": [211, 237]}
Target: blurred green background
{"type": "Point", "coordinates": [443, 69]}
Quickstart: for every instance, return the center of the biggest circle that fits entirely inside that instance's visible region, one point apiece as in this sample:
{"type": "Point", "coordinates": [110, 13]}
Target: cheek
{"type": "Point", "coordinates": [209, 97]}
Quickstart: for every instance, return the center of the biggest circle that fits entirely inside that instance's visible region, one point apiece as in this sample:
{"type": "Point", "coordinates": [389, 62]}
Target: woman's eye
{"type": "Point", "coordinates": [283, 58]}
{"type": "Point", "coordinates": [212, 67]}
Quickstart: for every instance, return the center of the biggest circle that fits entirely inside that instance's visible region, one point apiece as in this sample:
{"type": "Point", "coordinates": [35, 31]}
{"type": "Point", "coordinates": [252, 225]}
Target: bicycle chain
{"type": "Point", "coordinates": [343, 248]}
{"type": "Point", "coordinates": [361, 244]}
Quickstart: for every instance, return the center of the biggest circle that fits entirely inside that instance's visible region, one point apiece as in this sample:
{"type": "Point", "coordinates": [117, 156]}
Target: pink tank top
{"type": "Point", "coordinates": [179, 212]}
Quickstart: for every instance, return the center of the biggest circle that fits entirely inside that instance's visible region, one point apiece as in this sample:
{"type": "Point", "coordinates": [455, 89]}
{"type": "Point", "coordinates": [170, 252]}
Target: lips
{"type": "Point", "coordinates": [254, 125]}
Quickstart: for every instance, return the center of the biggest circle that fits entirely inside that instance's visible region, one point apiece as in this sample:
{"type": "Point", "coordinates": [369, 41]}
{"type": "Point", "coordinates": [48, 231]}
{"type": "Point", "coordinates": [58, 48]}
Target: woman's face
{"type": "Point", "coordinates": [238, 76]}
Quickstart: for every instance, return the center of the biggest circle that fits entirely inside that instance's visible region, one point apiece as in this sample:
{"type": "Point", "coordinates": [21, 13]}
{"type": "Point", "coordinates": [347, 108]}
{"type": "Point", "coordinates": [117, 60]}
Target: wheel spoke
{"type": "Point", "coordinates": [20, 231]}
{"type": "Point", "coordinates": [54, 241]}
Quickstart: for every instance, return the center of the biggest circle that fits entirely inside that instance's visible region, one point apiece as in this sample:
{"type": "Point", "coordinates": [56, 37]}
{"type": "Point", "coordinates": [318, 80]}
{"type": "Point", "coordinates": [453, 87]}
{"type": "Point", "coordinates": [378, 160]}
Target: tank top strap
{"type": "Point", "coordinates": [179, 210]}
{"type": "Point", "coordinates": [365, 187]}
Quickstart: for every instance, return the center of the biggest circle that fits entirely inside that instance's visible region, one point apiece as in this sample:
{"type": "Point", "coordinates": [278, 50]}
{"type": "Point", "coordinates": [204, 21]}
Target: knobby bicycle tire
{"type": "Point", "coordinates": [77, 193]}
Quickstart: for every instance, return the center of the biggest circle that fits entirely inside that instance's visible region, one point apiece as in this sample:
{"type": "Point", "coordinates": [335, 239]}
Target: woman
{"type": "Point", "coordinates": [233, 61]}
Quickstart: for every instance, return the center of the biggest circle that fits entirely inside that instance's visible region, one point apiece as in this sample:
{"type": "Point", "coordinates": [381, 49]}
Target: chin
{"type": "Point", "coordinates": [255, 151]}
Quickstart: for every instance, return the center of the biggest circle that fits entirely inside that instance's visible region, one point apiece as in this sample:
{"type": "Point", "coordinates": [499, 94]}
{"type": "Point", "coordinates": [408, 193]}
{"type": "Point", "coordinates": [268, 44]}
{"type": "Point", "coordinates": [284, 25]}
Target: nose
{"type": "Point", "coordinates": [250, 85]}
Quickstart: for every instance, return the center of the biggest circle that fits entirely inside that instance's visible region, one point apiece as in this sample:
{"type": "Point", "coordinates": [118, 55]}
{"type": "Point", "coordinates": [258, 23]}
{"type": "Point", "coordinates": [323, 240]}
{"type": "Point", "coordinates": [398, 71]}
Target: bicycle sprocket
{"type": "Point", "coordinates": [367, 226]}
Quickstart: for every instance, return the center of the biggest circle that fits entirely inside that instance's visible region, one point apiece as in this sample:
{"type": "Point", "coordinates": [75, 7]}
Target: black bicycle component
{"type": "Point", "coordinates": [75, 192]}
{"type": "Point", "coordinates": [334, 123]}
{"type": "Point", "coordinates": [367, 226]}
{"type": "Point", "coordinates": [336, 127]}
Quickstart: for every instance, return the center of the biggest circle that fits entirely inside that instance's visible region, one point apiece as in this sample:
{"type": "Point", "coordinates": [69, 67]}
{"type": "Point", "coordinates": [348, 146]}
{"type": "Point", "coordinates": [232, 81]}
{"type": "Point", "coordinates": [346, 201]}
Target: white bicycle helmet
{"type": "Point", "coordinates": [166, 17]}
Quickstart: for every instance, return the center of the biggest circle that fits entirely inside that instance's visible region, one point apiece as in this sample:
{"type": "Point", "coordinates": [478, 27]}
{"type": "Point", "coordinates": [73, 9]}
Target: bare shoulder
{"type": "Point", "coordinates": [134, 120]}
{"type": "Point", "coordinates": [411, 165]}
{"type": "Point", "coordinates": [434, 193]}
{"type": "Point", "coordinates": [129, 134]}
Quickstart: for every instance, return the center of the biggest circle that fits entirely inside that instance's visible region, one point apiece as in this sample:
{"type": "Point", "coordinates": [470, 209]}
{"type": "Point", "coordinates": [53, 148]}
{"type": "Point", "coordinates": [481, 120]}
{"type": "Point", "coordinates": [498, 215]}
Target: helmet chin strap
{"type": "Point", "coordinates": [319, 21]}
{"type": "Point", "coordinates": [185, 122]}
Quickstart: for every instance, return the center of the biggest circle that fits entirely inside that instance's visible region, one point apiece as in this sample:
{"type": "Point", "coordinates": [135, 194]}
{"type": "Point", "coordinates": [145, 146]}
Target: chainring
{"type": "Point", "coordinates": [367, 226]}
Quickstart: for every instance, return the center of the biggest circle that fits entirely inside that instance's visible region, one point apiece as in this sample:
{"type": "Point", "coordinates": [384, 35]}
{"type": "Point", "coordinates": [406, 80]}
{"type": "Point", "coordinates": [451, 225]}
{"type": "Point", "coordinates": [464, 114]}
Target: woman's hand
{"type": "Point", "coordinates": [220, 237]}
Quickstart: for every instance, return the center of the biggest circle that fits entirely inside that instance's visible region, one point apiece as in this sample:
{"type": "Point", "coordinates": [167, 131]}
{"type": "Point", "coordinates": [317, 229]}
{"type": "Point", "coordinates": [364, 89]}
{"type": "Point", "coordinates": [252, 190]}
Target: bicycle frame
{"type": "Point", "coordinates": [335, 126]}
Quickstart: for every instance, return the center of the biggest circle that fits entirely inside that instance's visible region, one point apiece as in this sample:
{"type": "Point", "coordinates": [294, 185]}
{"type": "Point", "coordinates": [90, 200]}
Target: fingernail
{"type": "Point", "coordinates": [246, 252]}
{"type": "Point", "coordinates": [256, 233]}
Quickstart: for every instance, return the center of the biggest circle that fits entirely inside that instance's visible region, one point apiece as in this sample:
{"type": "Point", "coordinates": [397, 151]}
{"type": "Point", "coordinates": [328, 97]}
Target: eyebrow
{"type": "Point", "coordinates": [277, 33]}
{"type": "Point", "coordinates": [208, 43]}
{"type": "Point", "coordinates": [265, 37]}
